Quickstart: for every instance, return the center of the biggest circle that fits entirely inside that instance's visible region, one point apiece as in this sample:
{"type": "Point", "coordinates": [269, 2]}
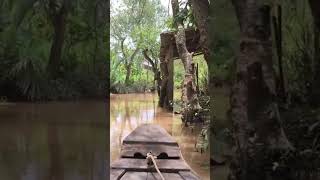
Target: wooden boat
{"type": "Point", "coordinates": [133, 164]}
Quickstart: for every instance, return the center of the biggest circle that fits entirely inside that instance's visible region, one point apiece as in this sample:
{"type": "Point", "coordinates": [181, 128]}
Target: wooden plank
{"type": "Point", "coordinates": [164, 165]}
{"type": "Point", "coordinates": [150, 176]}
{"type": "Point", "coordinates": [116, 174]}
{"type": "Point", "coordinates": [149, 134]}
{"type": "Point", "coordinates": [128, 150]}
{"type": "Point", "coordinates": [188, 175]}
{"type": "Point", "coordinates": [169, 176]}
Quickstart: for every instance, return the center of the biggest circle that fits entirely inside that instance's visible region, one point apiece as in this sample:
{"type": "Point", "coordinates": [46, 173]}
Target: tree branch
{"type": "Point", "coordinates": [133, 55]}
{"type": "Point", "coordinates": [123, 51]}
{"type": "Point", "coordinates": [144, 52]}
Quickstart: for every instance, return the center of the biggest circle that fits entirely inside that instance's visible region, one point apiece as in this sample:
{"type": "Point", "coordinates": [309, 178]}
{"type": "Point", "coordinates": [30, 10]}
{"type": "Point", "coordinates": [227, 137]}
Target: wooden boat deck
{"type": "Point", "coordinates": [150, 138]}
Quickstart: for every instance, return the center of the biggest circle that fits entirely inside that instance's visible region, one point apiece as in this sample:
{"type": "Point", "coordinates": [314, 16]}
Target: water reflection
{"type": "Point", "coordinates": [128, 111]}
{"type": "Point", "coordinates": [53, 141]}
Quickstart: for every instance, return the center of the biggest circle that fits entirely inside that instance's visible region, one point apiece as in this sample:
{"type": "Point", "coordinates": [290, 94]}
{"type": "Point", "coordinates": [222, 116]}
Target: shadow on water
{"type": "Point", "coordinates": [128, 111]}
{"type": "Point", "coordinates": [53, 141]}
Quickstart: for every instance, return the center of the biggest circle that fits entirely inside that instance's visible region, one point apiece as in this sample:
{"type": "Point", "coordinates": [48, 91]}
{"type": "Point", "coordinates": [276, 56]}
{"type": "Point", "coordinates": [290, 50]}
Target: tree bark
{"type": "Point", "coordinates": [201, 14]}
{"type": "Point", "coordinates": [189, 92]}
{"type": "Point", "coordinates": [155, 69]}
{"type": "Point", "coordinates": [166, 88]}
{"type": "Point", "coordinates": [277, 24]}
{"type": "Point", "coordinates": [59, 24]}
{"type": "Point", "coordinates": [257, 125]}
{"type": "Point", "coordinates": [164, 82]}
{"type": "Point", "coordinates": [315, 94]}
{"type": "Point", "coordinates": [128, 74]}
{"type": "Point", "coordinates": [128, 63]}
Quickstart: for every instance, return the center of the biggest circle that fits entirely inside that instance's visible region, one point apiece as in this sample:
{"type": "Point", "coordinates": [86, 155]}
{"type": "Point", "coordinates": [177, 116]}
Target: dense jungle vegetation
{"type": "Point", "coordinates": [53, 49]}
{"type": "Point", "coordinates": [136, 26]}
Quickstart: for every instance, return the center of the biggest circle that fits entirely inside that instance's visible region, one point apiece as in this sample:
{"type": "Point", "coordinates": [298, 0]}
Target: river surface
{"type": "Point", "coordinates": [54, 141]}
{"type": "Point", "coordinates": [128, 111]}
{"type": "Point", "coordinates": [68, 140]}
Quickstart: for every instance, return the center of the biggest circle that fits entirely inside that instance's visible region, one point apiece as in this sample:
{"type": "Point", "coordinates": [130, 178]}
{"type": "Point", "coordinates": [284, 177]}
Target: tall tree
{"type": "Point", "coordinates": [257, 125]}
{"type": "Point", "coordinates": [58, 12]}
{"type": "Point", "coordinates": [189, 92]}
{"type": "Point", "coordinates": [135, 27]}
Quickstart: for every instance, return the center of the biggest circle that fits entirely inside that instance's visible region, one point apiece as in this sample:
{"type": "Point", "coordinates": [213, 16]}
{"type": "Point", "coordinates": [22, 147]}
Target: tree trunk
{"type": "Point", "coordinates": [164, 82]}
{"type": "Point", "coordinates": [155, 70]}
{"type": "Point", "coordinates": [166, 91]}
{"type": "Point", "coordinates": [101, 19]}
{"type": "Point", "coordinates": [189, 92]}
{"type": "Point", "coordinates": [257, 125]}
{"type": "Point", "coordinates": [59, 23]}
{"type": "Point", "coordinates": [315, 94]}
{"type": "Point", "coordinates": [201, 14]}
{"type": "Point", "coordinates": [277, 24]}
{"type": "Point", "coordinates": [128, 63]}
{"type": "Point", "coordinates": [128, 74]}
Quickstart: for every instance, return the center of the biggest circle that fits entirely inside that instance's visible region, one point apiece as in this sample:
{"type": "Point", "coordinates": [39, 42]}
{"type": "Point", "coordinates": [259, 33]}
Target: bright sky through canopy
{"type": "Point", "coordinates": [166, 4]}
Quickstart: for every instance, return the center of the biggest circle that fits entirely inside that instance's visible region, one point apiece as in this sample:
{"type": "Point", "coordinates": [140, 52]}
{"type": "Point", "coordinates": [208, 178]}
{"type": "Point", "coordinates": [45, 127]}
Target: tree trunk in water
{"type": "Point", "coordinates": [315, 95]}
{"type": "Point", "coordinates": [157, 79]}
{"type": "Point", "coordinates": [189, 92]}
{"type": "Point", "coordinates": [257, 125]}
{"type": "Point", "coordinates": [164, 82]}
{"type": "Point", "coordinates": [58, 40]}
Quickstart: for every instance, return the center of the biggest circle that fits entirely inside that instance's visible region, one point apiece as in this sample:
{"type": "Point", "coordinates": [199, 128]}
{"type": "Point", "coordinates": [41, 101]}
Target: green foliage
{"type": "Point", "coordinates": [203, 72]}
{"type": "Point", "coordinates": [298, 48]}
{"type": "Point", "coordinates": [135, 26]}
{"type": "Point", "coordinates": [185, 15]}
{"type": "Point", "coordinates": [26, 41]}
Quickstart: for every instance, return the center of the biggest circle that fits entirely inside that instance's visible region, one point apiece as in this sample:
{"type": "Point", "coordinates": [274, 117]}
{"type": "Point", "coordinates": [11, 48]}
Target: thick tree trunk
{"type": "Point", "coordinates": [201, 14]}
{"type": "Point", "coordinates": [164, 82]}
{"type": "Point", "coordinates": [59, 23]}
{"type": "Point", "coordinates": [101, 20]}
{"type": "Point", "coordinates": [257, 126]}
{"type": "Point", "coordinates": [315, 95]}
{"type": "Point", "coordinates": [189, 92]}
{"type": "Point", "coordinates": [166, 91]}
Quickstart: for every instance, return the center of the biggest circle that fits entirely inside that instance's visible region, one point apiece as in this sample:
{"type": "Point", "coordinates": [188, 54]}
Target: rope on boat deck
{"type": "Point", "coordinates": [151, 160]}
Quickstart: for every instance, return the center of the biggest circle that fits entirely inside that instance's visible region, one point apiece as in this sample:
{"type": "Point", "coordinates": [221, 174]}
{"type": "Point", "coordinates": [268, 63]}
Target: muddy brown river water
{"type": "Point", "coordinates": [67, 140]}
{"type": "Point", "coordinates": [53, 141]}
